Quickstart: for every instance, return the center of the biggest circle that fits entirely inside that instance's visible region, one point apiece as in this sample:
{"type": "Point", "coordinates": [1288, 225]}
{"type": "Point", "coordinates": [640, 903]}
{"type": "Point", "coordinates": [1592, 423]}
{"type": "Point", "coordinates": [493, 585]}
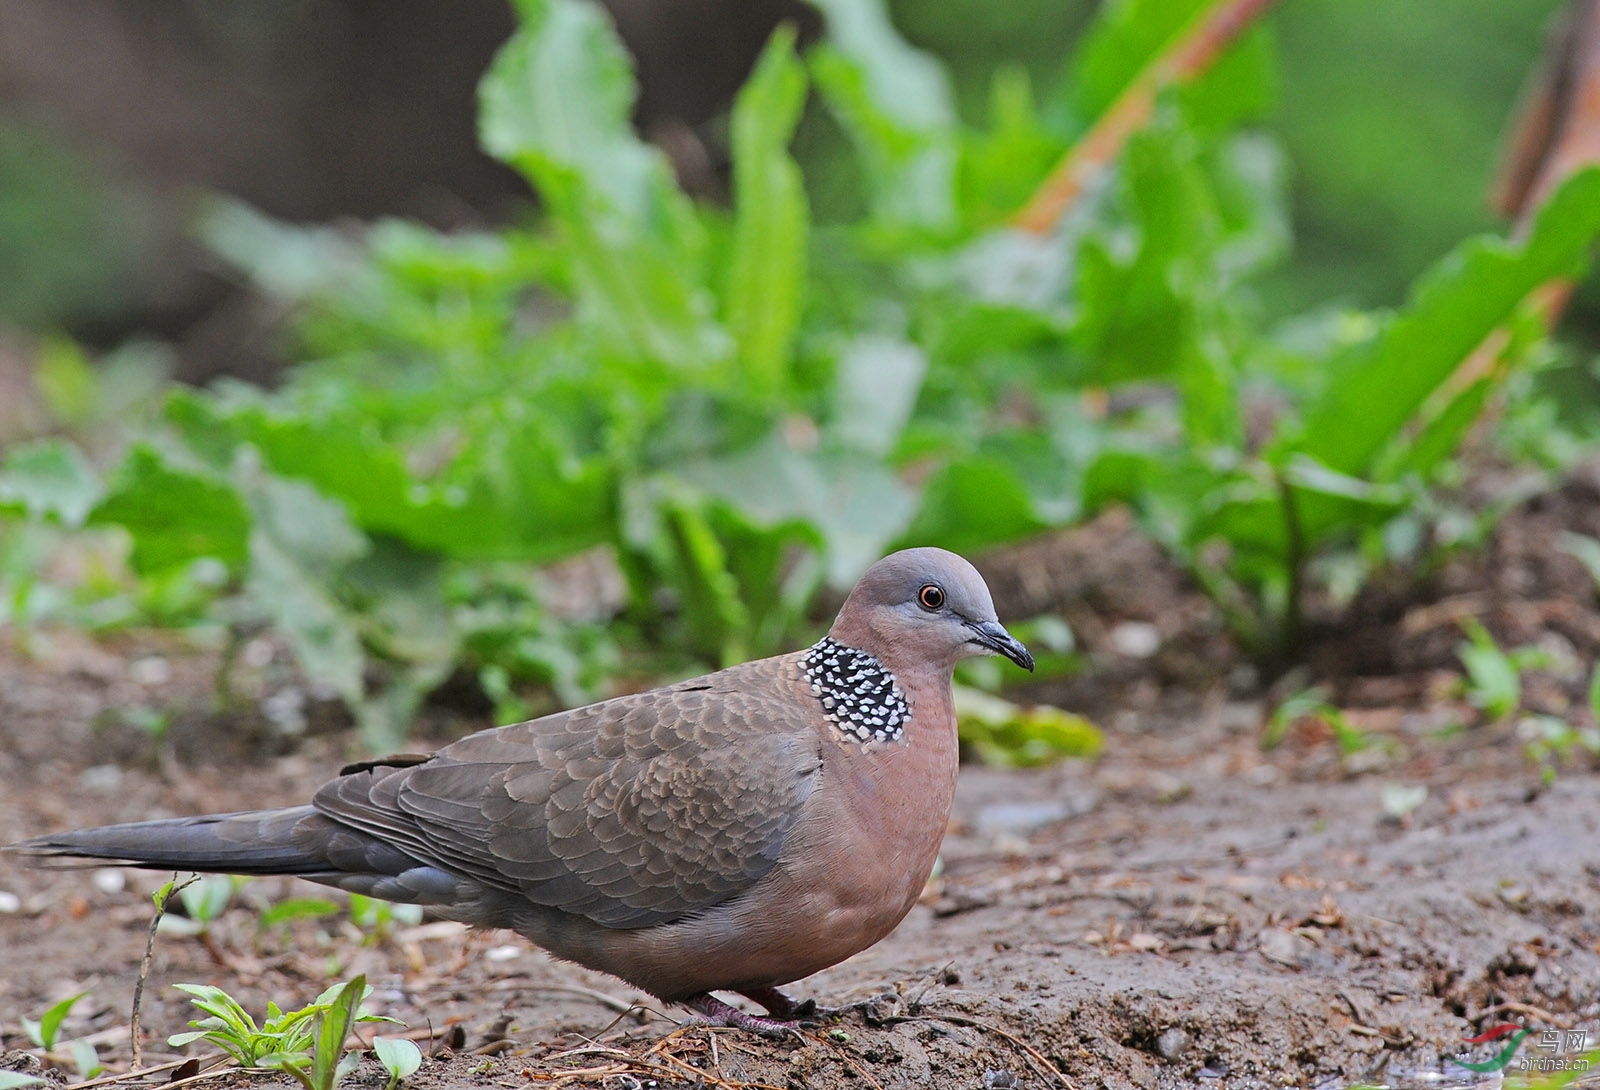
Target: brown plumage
{"type": "Point", "coordinates": [734, 832]}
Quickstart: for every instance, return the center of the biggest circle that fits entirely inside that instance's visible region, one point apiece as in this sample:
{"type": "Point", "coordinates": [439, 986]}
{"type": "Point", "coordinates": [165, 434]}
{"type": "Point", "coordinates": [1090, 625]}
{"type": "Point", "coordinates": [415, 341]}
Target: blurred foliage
{"type": "Point", "coordinates": [745, 404]}
{"type": "Point", "coordinates": [72, 230]}
{"type": "Point", "coordinates": [1392, 114]}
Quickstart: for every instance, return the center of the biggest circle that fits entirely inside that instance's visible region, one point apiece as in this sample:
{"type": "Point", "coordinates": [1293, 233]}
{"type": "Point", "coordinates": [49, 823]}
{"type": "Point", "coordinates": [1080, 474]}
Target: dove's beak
{"type": "Point", "coordinates": [993, 636]}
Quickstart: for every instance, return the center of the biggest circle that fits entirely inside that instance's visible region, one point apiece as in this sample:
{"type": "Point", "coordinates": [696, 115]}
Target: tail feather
{"type": "Point", "coordinates": [300, 841]}
{"type": "Point", "coordinates": [255, 842]}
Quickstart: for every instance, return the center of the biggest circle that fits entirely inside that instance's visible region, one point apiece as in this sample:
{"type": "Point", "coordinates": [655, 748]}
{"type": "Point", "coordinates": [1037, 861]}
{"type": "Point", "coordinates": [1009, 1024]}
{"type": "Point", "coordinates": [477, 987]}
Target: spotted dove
{"type": "Point", "coordinates": [735, 832]}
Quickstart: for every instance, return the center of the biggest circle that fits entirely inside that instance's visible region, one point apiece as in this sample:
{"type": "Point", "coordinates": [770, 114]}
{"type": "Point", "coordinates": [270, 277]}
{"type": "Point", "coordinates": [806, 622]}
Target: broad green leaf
{"type": "Point", "coordinates": [560, 96]}
{"type": "Point", "coordinates": [855, 503]}
{"type": "Point", "coordinates": [285, 260]}
{"type": "Point", "coordinates": [15, 1080]}
{"type": "Point", "coordinates": [1494, 680]}
{"type": "Point", "coordinates": [1375, 389]}
{"type": "Point", "coordinates": [972, 503]}
{"type": "Point", "coordinates": [1000, 168]}
{"type": "Point", "coordinates": [515, 489]}
{"type": "Point", "coordinates": [896, 104]}
{"type": "Point", "coordinates": [1441, 436]}
{"type": "Point", "coordinates": [173, 515]}
{"type": "Point", "coordinates": [875, 391]}
{"type": "Point", "coordinates": [556, 104]}
{"type": "Point", "coordinates": [313, 530]}
{"type": "Point", "coordinates": [1126, 36]}
{"type": "Point", "coordinates": [322, 634]}
{"type": "Point", "coordinates": [767, 273]}
{"type": "Point", "coordinates": [49, 477]}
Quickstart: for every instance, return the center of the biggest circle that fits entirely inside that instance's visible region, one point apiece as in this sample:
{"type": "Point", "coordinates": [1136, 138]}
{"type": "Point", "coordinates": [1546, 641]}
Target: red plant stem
{"type": "Point", "coordinates": [1187, 58]}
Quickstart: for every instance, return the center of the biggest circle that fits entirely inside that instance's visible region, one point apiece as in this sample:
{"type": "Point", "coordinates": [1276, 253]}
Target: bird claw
{"type": "Point", "coordinates": [806, 1011]}
{"type": "Point", "coordinates": [712, 1011]}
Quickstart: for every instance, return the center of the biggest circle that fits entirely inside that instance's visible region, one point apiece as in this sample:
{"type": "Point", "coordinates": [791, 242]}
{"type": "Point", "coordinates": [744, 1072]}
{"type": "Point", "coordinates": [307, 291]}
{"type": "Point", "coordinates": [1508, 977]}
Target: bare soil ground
{"type": "Point", "coordinates": [1187, 910]}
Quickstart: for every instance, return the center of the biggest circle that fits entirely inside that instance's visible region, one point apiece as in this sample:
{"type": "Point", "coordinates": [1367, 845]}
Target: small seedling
{"type": "Point", "coordinates": [204, 900]}
{"type": "Point", "coordinates": [378, 918]}
{"type": "Point", "coordinates": [278, 1040]}
{"type": "Point", "coordinates": [1311, 704]}
{"type": "Point", "coordinates": [1549, 741]}
{"type": "Point", "coordinates": [86, 1059]}
{"type": "Point", "coordinates": [295, 908]}
{"type": "Point", "coordinates": [43, 1032]}
{"type": "Point", "coordinates": [1494, 677]}
{"type": "Point", "coordinates": [328, 1062]}
{"type": "Point", "coordinates": [399, 1057]}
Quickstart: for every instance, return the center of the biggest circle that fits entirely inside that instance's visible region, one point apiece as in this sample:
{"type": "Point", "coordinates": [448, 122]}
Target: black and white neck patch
{"type": "Point", "coordinates": [858, 695]}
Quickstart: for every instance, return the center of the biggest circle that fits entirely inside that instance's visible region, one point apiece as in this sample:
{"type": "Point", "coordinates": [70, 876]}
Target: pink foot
{"type": "Point", "coordinates": [715, 1012]}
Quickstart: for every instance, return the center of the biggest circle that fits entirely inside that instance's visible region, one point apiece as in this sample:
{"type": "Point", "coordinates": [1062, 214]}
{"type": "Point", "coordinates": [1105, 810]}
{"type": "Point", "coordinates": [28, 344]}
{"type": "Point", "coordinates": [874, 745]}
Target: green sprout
{"type": "Point", "coordinates": [294, 1042]}
{"type": "Point", "coordinates": [399, 1057]}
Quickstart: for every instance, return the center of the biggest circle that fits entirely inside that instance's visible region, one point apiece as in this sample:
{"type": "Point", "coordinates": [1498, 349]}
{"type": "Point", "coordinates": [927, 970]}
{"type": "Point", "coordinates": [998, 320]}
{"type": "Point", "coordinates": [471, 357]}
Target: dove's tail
{"type": "Point", "coordinates": [300, 841]}
{"type": "Point", "coordinates": [289, 841]}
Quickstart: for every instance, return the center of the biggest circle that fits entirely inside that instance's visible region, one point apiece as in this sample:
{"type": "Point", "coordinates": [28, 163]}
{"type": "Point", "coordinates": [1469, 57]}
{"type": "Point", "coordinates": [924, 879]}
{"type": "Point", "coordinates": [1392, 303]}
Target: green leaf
{"type": "Point", "coordinates": [85, 1058]}
{"type": "Point", "coordinates": [856, 504]}
{"type": "Point", "coordinates": [333, 1025]}
{"type": "Point", "coordinates": [1582, 548]}
{"type": "Point", "coordinates": [1494, 682]}
{"type": "Point", "coordinates": [1441, 436]}
{"type": "Point", "coordinates": [767, 273]}
{"type": "Point", "coordinates": [1125, 37]}
{"type": "Point", "coordinates": [14, 1080]}
{"type": "Point", "coordinates": [875, 391]}
{"type": "Point", "coordinates": [49, 478]}
{"type": "Point", "coordinates": [1013, 736]}
{"type": "Point", "coordinates": [326, 642]}
{"type": "Point", "coordinates": [206, 899]}
{"type": "Point", "coordinates": [400, 1058]}
{"type": "Point", "coordinates": [514, 487]}
{"type": "Point", "coordinates": [559, 96]}
{"type": "Point", "coordinates": [896, 104]}
{"type": "Point", "coordinates": [43, 1032]}
{"type": "Point", "coordinates": [173, 515]}
{"type": "Point", "coordinates": [1000, 169]}
{"type": "Point", "coordinates": [296, 908]}
{"type": "Point", "coordinates": [972, 503]}
{"type": "Point", "coordinates": [285, 260]}
{"type": "Point", "coordinates": [556, 104]}
{"type": "Point", "coordinates": [1373, 390]}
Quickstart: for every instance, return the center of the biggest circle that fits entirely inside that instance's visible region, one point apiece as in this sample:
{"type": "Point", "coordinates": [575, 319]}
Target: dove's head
{"type": "Point", "coordinates": [925, 606]}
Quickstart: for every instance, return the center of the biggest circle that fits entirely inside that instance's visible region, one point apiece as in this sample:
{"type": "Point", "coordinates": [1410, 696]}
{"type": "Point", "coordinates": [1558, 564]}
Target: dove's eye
{"type": "Point", "coordinates": [931, 597]}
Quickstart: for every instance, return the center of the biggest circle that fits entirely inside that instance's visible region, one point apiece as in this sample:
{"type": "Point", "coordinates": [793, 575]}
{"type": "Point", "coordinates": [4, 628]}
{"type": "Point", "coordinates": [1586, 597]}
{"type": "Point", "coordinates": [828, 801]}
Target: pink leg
{"type": "Point", "coordinates": [782, 1006]}
{"type": "Point", "coordinates": [717, 1013]}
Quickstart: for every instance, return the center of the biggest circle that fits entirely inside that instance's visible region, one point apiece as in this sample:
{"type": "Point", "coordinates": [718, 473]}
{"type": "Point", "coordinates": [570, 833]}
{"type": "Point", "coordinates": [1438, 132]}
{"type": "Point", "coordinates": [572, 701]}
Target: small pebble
{"type": "Point", "coordinates": [9, 902]}
{"type": "Point", "coordinates": [110, 880]}
{"type": "Point", "coordinates": [101, 779]}
{"type": "Point", "coordinates": [508, 952]}
{"type": "Point", "coordinates": [1172, 1043]}
{"type": "Point", "coordinates": [150, 671]}
{"type": "Point", "coordinates": [1136, 639]}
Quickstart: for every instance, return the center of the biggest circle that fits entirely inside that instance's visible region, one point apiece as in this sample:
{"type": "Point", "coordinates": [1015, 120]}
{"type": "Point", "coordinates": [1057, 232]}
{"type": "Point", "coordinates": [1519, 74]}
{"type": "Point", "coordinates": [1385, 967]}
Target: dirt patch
{"type": "Point", "coordinates": [1188, 910]}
